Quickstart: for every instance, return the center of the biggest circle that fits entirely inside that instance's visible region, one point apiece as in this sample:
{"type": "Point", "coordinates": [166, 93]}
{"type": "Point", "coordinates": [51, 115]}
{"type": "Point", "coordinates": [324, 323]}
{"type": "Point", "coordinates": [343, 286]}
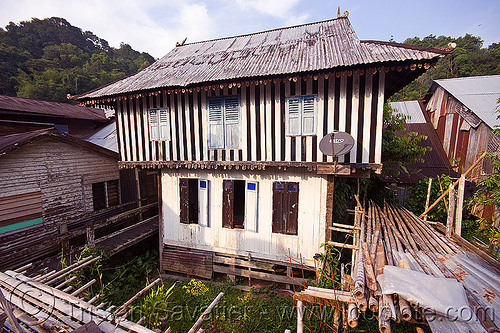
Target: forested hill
{"type": "Point", "coordinates": [468, 58]}
{"type": "Point", "coordinates": [47, 59]}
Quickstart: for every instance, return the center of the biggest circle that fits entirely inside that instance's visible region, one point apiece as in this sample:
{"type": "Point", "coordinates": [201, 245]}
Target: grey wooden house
{"type": "Point", "coordinates": [233, 126]}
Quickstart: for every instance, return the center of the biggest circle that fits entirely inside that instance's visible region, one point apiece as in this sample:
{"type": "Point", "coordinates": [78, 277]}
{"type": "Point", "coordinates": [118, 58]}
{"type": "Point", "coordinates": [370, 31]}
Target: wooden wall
{"type": "Point", "coordinates": [61, 172]}
{"type": "Point", "coordinates": [350, 101]}
{"type": "Point", "coordinates": [262, 244]}
{"type": "Point", "coordinates": [463, 135]}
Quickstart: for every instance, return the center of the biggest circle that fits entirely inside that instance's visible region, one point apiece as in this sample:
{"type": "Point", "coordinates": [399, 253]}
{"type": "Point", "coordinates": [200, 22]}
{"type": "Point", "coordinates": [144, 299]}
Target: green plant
{"type": "Point", "coordinates": [156, 306]}
{"type": "Point", "coordinates": [494, 236]}
{"type": "Point", "coordinates": [330, 270]}
{"type": "Point", "coordinates": [418, 195]}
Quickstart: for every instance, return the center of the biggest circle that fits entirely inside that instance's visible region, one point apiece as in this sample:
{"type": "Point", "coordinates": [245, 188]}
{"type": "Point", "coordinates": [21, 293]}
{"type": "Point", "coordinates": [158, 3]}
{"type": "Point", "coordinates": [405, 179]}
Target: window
{"type": "Point", "coordinates": [301, 115]}
{"type": "Point", "coordinates": [159, 124]}
{"type": "Point", "coordinates": [239, 204]}
{"type": "Point", "coordinates": [194, 201]}
{"type": "Point", "coordinates": [224, 122]}
{"type": "Point", "coordinates": [105, 194]}
{"type": "Point", "coordinates": [61, 128]}
{"type": "Point", "coordinates": [285, 207]}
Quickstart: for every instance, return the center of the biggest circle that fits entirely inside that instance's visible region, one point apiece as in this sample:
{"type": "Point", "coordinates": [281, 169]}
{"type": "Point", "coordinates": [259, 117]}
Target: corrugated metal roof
{"type": "Point", "coordinates": [12, 142]}
{"type": "Point", "coordinates": [309, 47]}
{"type": "Point", "coordinates": [106, 137]}
{"type": "Point", "coordinates": [18, 104]}
{"type": "Point", "coordinates": [478, 93]}
{"type": "Point", "coordinates": [412, 111]}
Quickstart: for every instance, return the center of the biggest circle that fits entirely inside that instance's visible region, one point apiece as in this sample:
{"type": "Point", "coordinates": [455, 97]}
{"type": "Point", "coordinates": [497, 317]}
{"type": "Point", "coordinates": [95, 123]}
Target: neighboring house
{"type": "Point", "coordinates": [435, 162]}
{"type": "Point", "coordinates": [50, 178]}
{"type": "Point", "coordinates": [464, 114]}
{"type": "Point", "coordinates": [19, 115]}
{"type": "Point", "coordinates": [233, 126]}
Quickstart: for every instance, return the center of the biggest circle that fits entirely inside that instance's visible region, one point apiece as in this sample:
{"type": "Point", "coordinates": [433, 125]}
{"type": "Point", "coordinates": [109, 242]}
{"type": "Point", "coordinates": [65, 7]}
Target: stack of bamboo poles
{"type": "Point", "coordinates": [391, 236]}
{"type": "Point", "coordinates": [42, 304]}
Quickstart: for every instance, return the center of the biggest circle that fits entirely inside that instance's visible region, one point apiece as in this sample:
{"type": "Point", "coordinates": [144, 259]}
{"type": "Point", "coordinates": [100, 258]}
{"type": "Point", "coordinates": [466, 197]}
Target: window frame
{"type": "Point", "coordinates": [107, 197]}
{"type": "Point", "coordinates": [202, 201]}
{"type": "Point", "coordinates": [223, 123]}
{"type": "Point", "coordinates": [302, 114]}
{"type": "Point", "coordinates": [251, 205]}
{"type": "Point", "coordinates": [159, 124]}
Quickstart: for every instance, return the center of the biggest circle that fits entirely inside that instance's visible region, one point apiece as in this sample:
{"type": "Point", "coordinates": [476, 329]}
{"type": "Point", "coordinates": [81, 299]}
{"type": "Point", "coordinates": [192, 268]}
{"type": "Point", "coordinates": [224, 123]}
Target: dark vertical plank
{"type": "Point", "coordinates": [292, 215]}
{"type": "Point", "coordinates": [184, 199]}
{"type": "Point", "coordinates": [227, 203]}
{"type": "Point", "coordinates": [278, 197]}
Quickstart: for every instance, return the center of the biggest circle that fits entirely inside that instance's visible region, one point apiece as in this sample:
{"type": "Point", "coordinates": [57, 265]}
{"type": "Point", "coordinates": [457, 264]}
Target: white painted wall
{"type": "Point", "coordinates": [261, 244]}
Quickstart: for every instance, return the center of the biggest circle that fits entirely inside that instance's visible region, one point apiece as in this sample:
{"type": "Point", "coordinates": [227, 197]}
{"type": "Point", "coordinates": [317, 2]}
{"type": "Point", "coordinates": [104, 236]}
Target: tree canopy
{"type": "Point", "coordinates": [468, 58]}
{"type": "Point", "coordinates": [48, 59]}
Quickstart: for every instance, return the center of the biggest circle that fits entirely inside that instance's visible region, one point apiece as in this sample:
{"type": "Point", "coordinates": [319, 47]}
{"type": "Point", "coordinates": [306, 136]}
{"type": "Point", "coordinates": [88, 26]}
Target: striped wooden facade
{"type": "Point", "coordinates": [350, 101]}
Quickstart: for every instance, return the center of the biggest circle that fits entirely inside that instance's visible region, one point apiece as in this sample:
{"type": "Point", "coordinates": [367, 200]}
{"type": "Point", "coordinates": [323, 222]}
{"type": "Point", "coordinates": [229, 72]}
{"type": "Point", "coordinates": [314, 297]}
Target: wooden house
{"type": "Point", "coordinates": [464, 114]}
{"type": "Point", "coordinates": [233, 126]}
{"type": "Point", "coordinates": [50, 178]}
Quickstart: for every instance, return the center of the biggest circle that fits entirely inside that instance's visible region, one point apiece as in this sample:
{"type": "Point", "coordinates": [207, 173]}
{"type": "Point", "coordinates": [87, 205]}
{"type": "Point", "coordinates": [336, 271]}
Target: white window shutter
{"type": "Point", "coordinates": [164, 124]}
{"type": "Point", "coordinates": [251, 205]}
{"type": "Point", "coordinates": [215, 123]}
{"type": "Point", "coordinates": [203, 190]}
{"type": "Point", "coordinates": [309, 115]}
{"type": "Point", "coordinates": [293, 116]}
{"type": "Point", "coordinates": [232, 122]}
{"type": "Point", "coordinates": [153, 125]}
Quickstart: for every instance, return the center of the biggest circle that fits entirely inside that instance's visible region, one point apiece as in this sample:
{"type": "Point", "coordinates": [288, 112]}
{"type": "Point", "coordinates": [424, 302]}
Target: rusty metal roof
{"type": "Point", "coordinates": [65, 110]}
{"type": "Point", "coordinates": [479, 94]}
{"type": "Point", "coordinates": [304, 48]}
{"type": "Point", "coordinates": [11, 142]}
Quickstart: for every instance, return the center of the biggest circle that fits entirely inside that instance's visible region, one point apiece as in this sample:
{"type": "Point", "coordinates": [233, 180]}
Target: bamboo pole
{"type": "Point", "coordinates": [6, 307]}
{"type": "Point", "coordinates": [122, 309]}
{"type": "Point", "coordinates": [205, 313]}
{"type": "Point", "coordinates": [456, 183]}
{"type": "Point", "coordinates": [300, 317]}
{"type": "Point", "coordinates": [352, 315]}
{"type": "Point", "coordinates": [62, 271]}
{"type": "Point", "coordinates": [68, 272]}
{"type": "Point", "coordinates": [404, 305]}
{"type": "Point", "coordinates": [83, 288]}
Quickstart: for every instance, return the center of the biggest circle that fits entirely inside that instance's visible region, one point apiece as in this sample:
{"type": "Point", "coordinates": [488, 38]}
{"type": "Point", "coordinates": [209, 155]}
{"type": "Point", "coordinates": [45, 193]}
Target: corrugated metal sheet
{"type": "Point", "coordinates": [11, 142]}
{"type": "Point", "coordinates": [106, 137]}
{"type": "Point", "coordinates": [478, 93]}
{"type": "Point", "coordinates": [412, 111]}
{"type": "Point", "coordinates": [309, 47]}
{"type": "Point", "coordinates": [18, 104]}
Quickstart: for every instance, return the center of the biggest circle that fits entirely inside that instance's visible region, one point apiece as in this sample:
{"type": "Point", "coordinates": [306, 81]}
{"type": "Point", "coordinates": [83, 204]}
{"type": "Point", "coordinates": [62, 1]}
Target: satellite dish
{"type": "Point", "coordinates": [336, 144]}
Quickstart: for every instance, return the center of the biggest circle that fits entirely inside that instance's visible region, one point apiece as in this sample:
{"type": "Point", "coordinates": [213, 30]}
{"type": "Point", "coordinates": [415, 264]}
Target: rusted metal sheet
{"type": "Point", "coordinates": [478, 96]}
{"type": "Point", "coordinates": [304, 48]}
{"type": "Point", "coordinates": [25, 105]}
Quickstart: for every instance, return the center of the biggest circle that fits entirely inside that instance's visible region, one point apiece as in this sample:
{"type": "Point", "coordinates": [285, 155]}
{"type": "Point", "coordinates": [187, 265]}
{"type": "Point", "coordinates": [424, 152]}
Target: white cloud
{"type": "Point", "coordinates": [150, 26]}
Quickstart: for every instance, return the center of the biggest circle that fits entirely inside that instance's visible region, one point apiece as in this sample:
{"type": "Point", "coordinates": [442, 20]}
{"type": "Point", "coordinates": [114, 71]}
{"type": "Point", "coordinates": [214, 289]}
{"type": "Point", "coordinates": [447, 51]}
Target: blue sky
{"type": "Point", "coordinates": [155, 25]}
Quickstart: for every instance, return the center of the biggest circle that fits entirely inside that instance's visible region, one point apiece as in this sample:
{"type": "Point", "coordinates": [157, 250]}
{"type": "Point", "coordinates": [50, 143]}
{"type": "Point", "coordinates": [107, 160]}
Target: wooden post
{"type": "Point", "coordinates": [300, 316]}
{"type": "Point", "coordinates": [90, 243]}
{"type": "Point", "coordinates": [455, 184]}
{"type": "Point", "coordinates": [451, 212]}
{"type": "Point", "coordinates": [428, 197]}
{"type": "Point", "coordinates": [460, 205]}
